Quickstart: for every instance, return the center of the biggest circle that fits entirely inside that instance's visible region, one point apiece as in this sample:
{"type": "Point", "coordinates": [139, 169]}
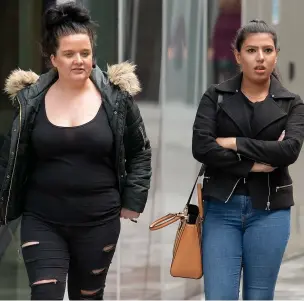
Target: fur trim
{"type": "Point", "coordinates": [123, 75]}
{"type": "Point", "coordinates": [18, 80]}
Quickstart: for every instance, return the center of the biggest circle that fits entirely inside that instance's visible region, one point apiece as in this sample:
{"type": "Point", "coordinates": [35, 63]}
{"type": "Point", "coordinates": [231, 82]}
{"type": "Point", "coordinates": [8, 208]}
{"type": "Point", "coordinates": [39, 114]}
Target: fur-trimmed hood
{"type": "Point", "coordinates": [121, 75]}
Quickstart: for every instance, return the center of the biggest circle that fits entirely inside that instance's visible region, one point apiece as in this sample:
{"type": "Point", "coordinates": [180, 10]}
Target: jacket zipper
{"type": "Point", "coordinates": [268, 201]}
{"type": "Point", "coordinates": [281, 187]}
{"type": "Point", "coordinates": [14, 165]}
{"type": "Point", "coordinates": [143, 137]}
{"type": "Point", "coordinates": [232, 190]}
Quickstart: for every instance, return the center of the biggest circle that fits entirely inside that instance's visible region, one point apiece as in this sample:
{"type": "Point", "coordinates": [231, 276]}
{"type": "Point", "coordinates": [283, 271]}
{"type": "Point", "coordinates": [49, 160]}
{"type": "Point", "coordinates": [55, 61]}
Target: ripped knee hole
{"type": "Point", "coordinates": [98, 271]}
{"type": "Point", "coordinates": [46, 281]}
{"type": "Point", "coordinates": [109, 248]}
{"type": "Point", "coordinates": [30, 243]}
{"type": "Point", "coordinates": [90, 293]}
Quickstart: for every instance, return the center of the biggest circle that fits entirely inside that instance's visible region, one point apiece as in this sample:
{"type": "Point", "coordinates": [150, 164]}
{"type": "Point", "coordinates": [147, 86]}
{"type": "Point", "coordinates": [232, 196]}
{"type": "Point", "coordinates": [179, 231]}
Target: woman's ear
{"type": "Point", "coordinates": [53, 60]}
{"type": "Point", "coordinates": [237, 57]}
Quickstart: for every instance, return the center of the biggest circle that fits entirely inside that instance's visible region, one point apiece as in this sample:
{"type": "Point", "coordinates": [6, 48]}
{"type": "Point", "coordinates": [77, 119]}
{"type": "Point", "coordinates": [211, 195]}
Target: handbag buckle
{"type": "Point", "coordinates": [183, 214]}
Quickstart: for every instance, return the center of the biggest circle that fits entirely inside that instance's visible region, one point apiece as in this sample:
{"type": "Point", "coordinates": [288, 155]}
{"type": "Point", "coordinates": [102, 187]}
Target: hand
{"type": "Point", "coordinates": [128, 214]}
{"type": "Point", "coordinates": [210, 54]}
{"type": "Point", "coordinates": [260, 167]}
{"type": "Point", "coordinates": [171, 53]}
{"type": "Point", "coordinates": [229, 143]}
{"type": "Point", "coordinates": [281, 138]}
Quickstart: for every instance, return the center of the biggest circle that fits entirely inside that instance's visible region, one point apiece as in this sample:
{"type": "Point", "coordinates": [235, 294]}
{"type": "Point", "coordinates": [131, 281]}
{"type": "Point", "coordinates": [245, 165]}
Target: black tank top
{"type": "Point", "coordinates": [73, 180]}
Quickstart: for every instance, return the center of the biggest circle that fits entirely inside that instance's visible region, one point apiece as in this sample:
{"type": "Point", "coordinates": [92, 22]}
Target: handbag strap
{"type": "Point", "coordinates": [173, 217]}
{"type": "Point", "coordinates": [201, 172]}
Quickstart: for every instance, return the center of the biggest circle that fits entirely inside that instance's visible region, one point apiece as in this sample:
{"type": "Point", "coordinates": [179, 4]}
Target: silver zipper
{"type": "Point", "coordinates": [232, 190]}
{"type": "Point", "coordinates": [143, 136]}
{"type": "Point", "coordinates": [268, 201]}
{"type": "Point", "coordinates": [281, 187]}
{"type": "Point", "coordinates": [16, 155]}
{"type": "Point", "coordinates": [207, 179]}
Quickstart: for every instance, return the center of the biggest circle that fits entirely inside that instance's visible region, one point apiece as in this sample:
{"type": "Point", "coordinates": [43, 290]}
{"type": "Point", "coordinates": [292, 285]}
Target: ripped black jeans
{"type": "Point", "coordinates": [52, 252]}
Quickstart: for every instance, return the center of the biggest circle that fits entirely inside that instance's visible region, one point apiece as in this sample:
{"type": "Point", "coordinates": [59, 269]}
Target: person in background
{"type": "Point", "coordinates": [248, 130]}
{"type": "Point", "coordinates": [76, 161]}
{"type": "Point", "coordinates": [220, 51]}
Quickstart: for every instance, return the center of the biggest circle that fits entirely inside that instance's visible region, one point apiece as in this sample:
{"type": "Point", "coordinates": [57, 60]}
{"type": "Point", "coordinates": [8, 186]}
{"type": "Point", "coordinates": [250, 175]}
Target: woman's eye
{"type": "Point", "coordinates": [268, 50]}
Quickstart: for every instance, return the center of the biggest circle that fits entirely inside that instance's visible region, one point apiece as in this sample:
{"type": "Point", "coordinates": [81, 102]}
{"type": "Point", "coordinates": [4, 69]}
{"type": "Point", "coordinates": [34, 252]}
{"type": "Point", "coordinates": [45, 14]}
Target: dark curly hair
{"type": "Point", "coordinates": [63, 20]}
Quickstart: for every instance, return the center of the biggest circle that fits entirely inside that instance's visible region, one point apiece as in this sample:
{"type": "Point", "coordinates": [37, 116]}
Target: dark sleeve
{"type": "Point", "coordinates": [138, 161]}
{"type": "Point", "coordinates": [205, 149]}
{"type": "Point", "coordinates": [4, 152]}
{"type": "Point", "coordinates": [278, 153]}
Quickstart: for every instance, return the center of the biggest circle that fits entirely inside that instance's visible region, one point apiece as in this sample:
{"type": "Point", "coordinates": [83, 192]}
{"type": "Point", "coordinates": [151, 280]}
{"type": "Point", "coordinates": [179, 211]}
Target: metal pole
{"type": "Point", "coordinates": [120, 59]}
{"type": "Point", "coordinates": [134, 29]}
{"type": "Point", "coordinates": [163, 73]}
{"type": "Point", "coordinates": [205, 45]}
{"type": "Point", "coordinates": [121, 39]}
{"type": "Point", "coordinates": [162, 101]}
{"type": "Point", "coordinates": [197, 51]}
{"type": "Point", "coordinates": [244, 12]}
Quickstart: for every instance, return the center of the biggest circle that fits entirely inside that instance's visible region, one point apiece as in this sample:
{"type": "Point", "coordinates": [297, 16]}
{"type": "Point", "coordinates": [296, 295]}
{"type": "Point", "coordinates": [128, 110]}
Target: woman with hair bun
{"type": "Point", "coordinates": [76, 160]}
{"type": "Point", "coordinates": [248, 130]}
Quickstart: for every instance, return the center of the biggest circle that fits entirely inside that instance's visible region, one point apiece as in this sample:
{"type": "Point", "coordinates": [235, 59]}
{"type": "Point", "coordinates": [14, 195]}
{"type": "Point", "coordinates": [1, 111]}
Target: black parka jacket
{"type": "Point", "coordinates": [132, 147]}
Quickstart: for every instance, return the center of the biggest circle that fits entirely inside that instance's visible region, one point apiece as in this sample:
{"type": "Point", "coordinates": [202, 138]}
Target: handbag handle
{"type": "Point", "coordinates": [166, 221]}
{"type": "Point", "coordinates": [173, 217]}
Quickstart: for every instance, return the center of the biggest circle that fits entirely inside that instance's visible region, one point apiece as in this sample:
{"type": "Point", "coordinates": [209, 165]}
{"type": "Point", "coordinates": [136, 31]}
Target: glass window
{"type": "Point", "coordinates": [105, 14]}
{"type": "Point", "coordinates": [20, 27]}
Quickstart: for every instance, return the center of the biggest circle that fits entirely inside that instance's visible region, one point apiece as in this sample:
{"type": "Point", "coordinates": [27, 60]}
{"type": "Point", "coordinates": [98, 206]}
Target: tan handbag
{"type": "Point", "coordinates": [187, 250]}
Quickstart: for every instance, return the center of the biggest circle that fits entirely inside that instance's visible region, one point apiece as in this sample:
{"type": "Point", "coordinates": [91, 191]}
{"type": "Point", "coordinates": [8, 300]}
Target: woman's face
{"type": "Point", "coordinates": [258, 56]}
{"type": "Point", "coordinates": [74, 57]}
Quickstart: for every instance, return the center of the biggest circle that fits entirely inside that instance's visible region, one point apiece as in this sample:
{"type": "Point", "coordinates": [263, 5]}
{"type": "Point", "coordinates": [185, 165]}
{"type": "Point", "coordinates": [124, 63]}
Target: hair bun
{"type": "Point", "coordinates": [64, 13]}
{"type": "Point", "coordinates": [257, 21]}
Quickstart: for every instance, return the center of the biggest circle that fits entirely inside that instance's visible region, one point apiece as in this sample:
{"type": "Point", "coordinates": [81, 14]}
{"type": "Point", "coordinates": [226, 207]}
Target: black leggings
{"type": "Point", "coordinates": [52, 252]}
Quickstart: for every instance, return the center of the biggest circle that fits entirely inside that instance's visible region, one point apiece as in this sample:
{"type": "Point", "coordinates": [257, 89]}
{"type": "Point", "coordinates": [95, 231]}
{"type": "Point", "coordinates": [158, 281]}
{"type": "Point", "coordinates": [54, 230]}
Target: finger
{"type": "Point", "coordinates": [281, 138]}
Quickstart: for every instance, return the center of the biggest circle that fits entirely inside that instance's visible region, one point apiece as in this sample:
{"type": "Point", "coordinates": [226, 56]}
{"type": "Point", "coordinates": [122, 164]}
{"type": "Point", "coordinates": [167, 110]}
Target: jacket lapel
{"type": "Point", "coordinates": [233, 106]}
{"type": "Point", "coordinates": [265, 113]}
{"type": "Point", "coordinates": [270, 111]}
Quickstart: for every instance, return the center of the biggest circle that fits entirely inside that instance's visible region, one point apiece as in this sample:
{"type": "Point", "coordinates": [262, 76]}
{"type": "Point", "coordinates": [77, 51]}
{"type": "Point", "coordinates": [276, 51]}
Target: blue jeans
{"type": "Point", "coordinates": [236, 237]}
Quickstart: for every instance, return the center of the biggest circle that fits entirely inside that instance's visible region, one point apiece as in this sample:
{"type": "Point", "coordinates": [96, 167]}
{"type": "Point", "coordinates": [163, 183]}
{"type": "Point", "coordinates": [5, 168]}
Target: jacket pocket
{"type": "Point", "coordinates": [278, 188]}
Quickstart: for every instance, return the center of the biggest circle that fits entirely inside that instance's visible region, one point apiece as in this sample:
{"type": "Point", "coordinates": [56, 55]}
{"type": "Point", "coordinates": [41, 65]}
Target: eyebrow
{"type": "Point", "coordinates": [253, 46]}
{"type": "Point", "coordinates": [70, 50]}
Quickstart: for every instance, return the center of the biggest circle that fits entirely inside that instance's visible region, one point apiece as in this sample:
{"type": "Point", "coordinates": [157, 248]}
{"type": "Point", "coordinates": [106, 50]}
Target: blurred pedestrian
{"type": "Point", "coordinates": [220, 51]}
